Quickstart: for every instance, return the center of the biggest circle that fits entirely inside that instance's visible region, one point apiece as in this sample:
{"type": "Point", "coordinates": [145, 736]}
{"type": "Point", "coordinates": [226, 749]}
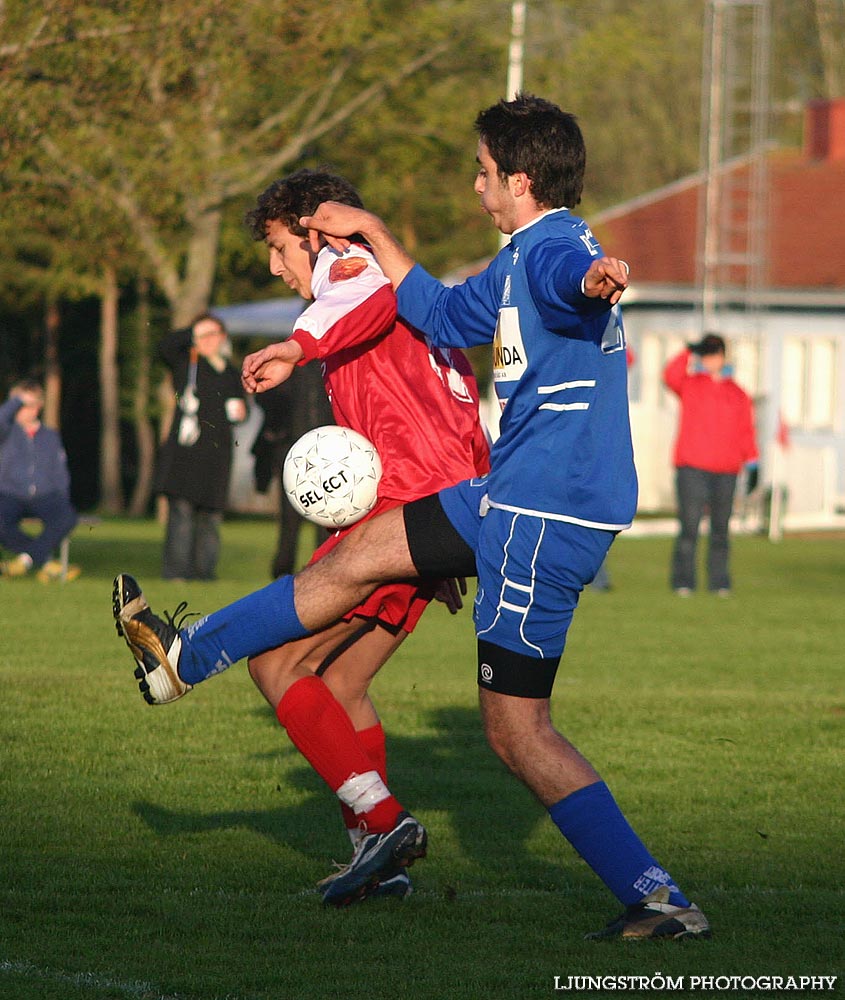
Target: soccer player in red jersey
{"type": "Point", "coordinates": [428, 435]}
{"type": "Point", "coordinates": [419, 406]}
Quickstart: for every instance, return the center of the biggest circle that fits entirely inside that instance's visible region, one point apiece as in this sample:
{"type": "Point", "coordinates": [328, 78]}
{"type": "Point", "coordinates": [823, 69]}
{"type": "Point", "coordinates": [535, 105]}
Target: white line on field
{"type": "Point", "coordinates": [90, 980]}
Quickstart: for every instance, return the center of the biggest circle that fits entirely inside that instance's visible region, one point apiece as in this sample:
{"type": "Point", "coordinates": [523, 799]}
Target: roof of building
{"type": "Point", "coordinates": [658, 232]}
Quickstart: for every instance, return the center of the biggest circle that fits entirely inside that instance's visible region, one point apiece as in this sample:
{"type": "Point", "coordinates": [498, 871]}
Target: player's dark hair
{"type": "Point", "coordinates": [299, 194]}
{"type": "Point", "coordinates": [532, 136]}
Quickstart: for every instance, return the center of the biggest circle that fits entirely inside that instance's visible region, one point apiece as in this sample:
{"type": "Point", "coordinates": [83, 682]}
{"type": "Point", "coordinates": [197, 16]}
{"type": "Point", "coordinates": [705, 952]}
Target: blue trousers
{"type": "Point", "coordinates": [697, 490]}
{"type": "Point", "coordinates": [56, 514]}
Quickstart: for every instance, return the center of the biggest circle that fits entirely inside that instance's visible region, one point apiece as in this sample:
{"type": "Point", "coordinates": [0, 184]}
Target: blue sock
{"type": "Point", "coordinates": [593, 823]}
{"type": "Point", "coordinates": [259, 621]}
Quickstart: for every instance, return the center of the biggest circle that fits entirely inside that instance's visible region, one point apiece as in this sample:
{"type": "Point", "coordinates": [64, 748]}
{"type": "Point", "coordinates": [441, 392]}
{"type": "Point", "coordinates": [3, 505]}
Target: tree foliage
{"type": "Point", "coordinates": [165, 113]}
{"type": "Point", "coordinates": [134, 134]}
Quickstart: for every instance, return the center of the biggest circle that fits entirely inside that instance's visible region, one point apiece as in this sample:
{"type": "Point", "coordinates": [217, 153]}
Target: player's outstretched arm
{"type": "Point", "coordinates": [606, 278]}
{"type": "Point", "coordinates": [269, 367]}
{"type": "Point", "coordinates": [337, 222]}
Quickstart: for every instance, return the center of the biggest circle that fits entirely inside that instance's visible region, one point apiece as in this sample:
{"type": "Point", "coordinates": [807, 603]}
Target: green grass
{"type": "Point", "coordinates": [172, 852]}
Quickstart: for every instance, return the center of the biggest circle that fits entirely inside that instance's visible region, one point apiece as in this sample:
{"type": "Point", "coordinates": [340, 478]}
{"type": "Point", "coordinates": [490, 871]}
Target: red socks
{"type": "Point", "coordinates": [352, 764]}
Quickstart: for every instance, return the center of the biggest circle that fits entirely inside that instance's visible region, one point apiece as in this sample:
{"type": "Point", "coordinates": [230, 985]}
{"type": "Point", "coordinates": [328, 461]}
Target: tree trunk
{"type": "Point", "coordinates": [829, 23]}
{"type": "Point", "coordinates": [194, 295]}
{"type": "Point", "coordinates": [111, 490]}
{"type": "Point", "coordinates": [144, 435]}
{"type": "Point", "coordinates": [407, 215]}
{"type": "Point", "coordinates": [200, 267]}
{"type": "Point", "coordinates": [52, 368]}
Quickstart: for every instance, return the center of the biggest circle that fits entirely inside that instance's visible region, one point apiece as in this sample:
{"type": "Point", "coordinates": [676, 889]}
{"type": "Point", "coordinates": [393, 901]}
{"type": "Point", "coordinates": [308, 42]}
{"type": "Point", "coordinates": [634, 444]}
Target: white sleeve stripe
{"type": "Point", "coordinates": [564, 406]}
{"type": "Point", "coordinates": [585, 383]}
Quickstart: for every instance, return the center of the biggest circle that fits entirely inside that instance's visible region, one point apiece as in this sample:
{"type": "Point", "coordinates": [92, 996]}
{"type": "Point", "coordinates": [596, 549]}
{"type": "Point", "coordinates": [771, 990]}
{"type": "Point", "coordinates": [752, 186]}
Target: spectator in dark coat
{"type": "Point", "coordinates": [196, 460]}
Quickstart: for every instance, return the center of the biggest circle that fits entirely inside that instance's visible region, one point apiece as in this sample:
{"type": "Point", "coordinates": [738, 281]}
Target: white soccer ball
{"type": "Point", "coordinates": [331, 476]}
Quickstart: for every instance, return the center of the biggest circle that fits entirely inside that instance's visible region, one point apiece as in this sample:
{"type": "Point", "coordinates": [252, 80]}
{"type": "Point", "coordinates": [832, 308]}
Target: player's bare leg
{"type": "Point", "coordinates": [349, 675]}
{"type": "Point", "coordinates": [170, 661]}
{"type": "Point", "coordinates": [375, 552]}
{"type": "Point", "coordinates": [346, 748]}
{"type": "Point", "coordinates": [521, 733]}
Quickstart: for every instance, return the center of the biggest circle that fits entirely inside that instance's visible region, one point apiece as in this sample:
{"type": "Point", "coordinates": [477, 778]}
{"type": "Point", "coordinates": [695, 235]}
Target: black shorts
{"type": "Point", "coordinates": [439, 551]}
{"type": "Point", "coordinates": [508, 672]}
{"type": "Point", "coordinates": [436, 548]}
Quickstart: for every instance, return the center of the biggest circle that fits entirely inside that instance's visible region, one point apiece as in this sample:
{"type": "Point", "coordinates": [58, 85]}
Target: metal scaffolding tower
{"type": "Point", "coordinates": [733, 209]}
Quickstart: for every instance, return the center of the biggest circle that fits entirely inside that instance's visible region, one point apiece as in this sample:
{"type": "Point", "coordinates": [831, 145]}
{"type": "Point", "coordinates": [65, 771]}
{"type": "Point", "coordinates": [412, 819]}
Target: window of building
{"type": "Point", "coordinates": [809, 383]}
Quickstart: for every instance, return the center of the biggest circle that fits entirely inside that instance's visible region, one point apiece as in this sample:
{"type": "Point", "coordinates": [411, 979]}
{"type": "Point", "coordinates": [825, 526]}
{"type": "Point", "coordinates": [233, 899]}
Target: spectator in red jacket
{"type": "Point", "coordinates": [715, 441]}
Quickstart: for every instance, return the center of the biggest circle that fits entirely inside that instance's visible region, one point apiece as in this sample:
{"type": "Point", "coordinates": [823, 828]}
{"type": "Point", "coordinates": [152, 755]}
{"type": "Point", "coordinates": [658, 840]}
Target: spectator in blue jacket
{"type": "Point", "coordinates": [34, 482]}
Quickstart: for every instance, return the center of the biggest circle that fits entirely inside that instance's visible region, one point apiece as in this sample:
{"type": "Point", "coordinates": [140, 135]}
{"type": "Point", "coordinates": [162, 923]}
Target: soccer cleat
{"type": "Point", "coordinates": [54, 570]}
{"type": "Point", "coordinates": [397, 886]}
{"type": "Point", "coordinates": [378, 859]}
{"type": "Point", "coordinates": [655, 917]}
{"type": "Point", "coordinates": [154, 643]}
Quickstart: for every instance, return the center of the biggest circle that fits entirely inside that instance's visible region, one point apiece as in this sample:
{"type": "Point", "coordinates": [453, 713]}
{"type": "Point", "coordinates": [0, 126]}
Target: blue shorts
{"type": "Point", "coordinates": [531, 570]}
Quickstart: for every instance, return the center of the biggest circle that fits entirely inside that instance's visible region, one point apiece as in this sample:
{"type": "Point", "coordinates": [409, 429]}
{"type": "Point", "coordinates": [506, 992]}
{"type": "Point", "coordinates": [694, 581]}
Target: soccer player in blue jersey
{"type": "Point", "coordinates": [535, 531]}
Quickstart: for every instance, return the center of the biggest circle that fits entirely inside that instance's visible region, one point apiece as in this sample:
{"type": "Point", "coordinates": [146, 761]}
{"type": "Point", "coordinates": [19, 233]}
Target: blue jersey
{"type": "Point", "coordinates": [560, 370]}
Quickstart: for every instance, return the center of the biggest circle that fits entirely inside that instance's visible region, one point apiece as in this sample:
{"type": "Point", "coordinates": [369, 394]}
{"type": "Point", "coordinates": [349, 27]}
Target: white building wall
{"type": "Point", "coordinates": [793, 365]}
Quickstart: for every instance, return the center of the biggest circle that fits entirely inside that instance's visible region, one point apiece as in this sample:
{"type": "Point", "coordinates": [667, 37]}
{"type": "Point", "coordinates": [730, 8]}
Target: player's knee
{"type": "Point", "coordinates": [500, 743]}
{"type": "Point", "coordinates": [499, 731]}
{"type": "Point", "coordinates": [271, 666]}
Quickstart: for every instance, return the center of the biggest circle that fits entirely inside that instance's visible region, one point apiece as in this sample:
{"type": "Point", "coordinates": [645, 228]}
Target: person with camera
{"type": "Point", "coordinates": [715, 441]}
{"type": "Point", "coordinates": [196, 459]}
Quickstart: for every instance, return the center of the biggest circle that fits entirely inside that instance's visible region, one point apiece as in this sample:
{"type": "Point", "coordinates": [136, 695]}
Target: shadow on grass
{"type": "Point", "coordinates": [452, 773]}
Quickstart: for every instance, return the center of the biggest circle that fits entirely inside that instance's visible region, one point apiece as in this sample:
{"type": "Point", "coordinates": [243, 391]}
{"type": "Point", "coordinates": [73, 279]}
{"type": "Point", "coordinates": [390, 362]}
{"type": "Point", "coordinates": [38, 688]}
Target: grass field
{"type": "Point", "coordinates": [172, 852]}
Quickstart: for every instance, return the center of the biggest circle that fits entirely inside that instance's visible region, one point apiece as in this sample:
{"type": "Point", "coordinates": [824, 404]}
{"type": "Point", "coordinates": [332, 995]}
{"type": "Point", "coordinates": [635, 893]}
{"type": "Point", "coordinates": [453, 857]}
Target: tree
{"type": "Point", "coordinates": [161, 116]}
{"type": "Point", "coordinates": [144, 433]}
{"type": "Point", "coordinates": [111, 491]}
{"type": "Point", "coordinates": [830, 20]}
{"type": "Point", "coordinates": [167, 113]}
{"type": "Point", "coordinates": [138, 131]}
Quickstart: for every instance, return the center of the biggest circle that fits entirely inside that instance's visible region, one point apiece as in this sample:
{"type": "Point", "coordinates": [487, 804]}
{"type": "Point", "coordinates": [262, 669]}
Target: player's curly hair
{"type": "Point", "coordinates": [288, 199]}
{"type": "Point", "coordinates": [533, 136]}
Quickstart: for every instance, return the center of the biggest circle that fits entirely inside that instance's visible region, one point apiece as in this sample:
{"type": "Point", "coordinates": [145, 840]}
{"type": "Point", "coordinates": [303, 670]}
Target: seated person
{"type": "Point", "coordinates": [34, 482]}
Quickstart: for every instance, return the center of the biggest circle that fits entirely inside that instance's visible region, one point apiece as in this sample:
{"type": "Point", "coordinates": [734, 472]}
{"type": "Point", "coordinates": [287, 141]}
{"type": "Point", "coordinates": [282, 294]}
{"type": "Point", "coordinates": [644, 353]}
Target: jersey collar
{"type": "Point", "coordinates": [536, 219]}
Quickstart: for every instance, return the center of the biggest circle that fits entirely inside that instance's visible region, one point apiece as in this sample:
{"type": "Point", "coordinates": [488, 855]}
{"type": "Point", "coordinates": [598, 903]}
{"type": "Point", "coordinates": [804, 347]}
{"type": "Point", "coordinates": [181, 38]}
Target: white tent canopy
{"type": "Point", "coordinates": [271, 318]}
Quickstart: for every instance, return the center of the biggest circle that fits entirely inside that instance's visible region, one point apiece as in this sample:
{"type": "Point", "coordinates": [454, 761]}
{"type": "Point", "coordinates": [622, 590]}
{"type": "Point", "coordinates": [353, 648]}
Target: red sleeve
{"type": "Point", "coordinates": [675, 372]}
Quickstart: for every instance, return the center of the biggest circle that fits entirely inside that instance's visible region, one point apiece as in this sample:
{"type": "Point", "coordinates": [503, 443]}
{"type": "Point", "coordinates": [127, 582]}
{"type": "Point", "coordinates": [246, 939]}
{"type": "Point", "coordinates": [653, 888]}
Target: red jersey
{"type": "Point", "coordinates": [716, 430]}
{"type": "Point", "coordinates": [416, 403]}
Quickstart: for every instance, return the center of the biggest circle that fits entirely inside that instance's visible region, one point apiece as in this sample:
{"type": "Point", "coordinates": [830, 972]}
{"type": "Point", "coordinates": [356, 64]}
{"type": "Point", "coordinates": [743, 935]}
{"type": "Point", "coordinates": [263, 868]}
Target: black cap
{"type": "Point", "coordinates": [710, 343]}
